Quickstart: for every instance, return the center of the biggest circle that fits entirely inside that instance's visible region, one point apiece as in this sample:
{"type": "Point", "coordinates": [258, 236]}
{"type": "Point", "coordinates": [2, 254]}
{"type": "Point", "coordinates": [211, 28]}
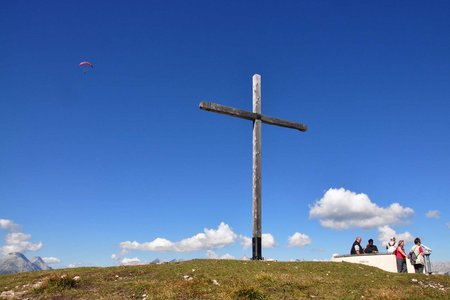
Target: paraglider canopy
{"type": "Point", "coordinates": [86, 64]}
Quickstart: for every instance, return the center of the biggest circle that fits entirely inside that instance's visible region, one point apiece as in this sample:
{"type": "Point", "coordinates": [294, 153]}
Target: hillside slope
{"type": "Point", "coordinates": [225, 279]}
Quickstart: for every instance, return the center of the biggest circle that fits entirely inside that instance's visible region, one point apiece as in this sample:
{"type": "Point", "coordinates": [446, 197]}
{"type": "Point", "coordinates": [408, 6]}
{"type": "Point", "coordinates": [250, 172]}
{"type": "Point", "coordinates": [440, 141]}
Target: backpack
{"type": "Point", "coordinates": [412, 257]}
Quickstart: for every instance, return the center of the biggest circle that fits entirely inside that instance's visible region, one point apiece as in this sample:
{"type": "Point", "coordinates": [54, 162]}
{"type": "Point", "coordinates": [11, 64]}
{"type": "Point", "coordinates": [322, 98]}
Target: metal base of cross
{"type": "Point", "coordinates": [256, 245]}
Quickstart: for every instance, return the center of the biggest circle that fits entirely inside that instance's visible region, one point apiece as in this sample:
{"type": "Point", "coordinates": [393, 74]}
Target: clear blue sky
{"type": "Point", "coordinates": [120, 165]}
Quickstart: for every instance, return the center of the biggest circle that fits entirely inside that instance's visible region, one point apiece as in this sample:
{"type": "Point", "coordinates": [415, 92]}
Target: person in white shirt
{"type": "Point", "coordinates": [391, 246]}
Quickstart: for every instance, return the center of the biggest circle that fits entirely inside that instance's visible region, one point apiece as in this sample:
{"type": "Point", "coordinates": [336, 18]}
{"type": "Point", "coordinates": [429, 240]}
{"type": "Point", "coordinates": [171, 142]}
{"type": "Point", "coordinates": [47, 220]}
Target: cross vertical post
{"type": "Point", "coordinates": [256, 209]}
{"type": "Point", "coordinates": [257, 119]}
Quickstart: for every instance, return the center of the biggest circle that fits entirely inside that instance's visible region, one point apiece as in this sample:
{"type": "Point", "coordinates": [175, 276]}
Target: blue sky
{"type": "Point", "coordinates": [119, 165]}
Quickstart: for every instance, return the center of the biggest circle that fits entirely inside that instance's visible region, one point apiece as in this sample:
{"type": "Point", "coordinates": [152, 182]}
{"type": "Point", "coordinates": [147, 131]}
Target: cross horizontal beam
{"type": "Point", "coordinates": [243, 114]}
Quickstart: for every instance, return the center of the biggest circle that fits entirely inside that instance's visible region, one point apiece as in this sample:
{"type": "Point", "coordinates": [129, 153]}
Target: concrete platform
{"type": "Point", "coordinates": [384, 261]}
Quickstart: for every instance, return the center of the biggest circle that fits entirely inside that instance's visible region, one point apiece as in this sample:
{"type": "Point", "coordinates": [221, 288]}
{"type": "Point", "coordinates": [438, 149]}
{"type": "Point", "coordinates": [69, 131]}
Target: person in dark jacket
{"type": "Point", "coordinates": [356, 247]}
{"type": "Point", "coordinates": [371, 248]}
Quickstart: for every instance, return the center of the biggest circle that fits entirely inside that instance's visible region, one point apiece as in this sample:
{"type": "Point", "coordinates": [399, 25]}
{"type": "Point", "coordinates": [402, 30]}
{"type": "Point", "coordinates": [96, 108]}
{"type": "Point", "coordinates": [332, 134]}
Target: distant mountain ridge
{"type": "Point", "coordinates": [39, 262]}
{"type": "Point", "coordinates": [17, 263]}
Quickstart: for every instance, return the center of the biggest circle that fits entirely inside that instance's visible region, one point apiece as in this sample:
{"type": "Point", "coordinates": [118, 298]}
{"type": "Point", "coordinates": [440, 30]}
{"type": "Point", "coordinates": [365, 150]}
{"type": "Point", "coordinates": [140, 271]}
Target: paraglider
{"type": "Point", "coordinates": [85, 66]}
{"type": "Point", "coordinates": [86, 63]}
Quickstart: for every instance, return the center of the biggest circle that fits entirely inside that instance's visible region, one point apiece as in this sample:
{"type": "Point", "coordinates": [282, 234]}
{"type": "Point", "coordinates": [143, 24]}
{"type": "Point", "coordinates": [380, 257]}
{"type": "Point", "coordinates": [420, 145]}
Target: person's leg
{"type": "Point", "coordinates": [399, 264]}
{"type": "Point", "coordinates": [404, 267]}
{"type": "Point", "coordinates": [420, 269]}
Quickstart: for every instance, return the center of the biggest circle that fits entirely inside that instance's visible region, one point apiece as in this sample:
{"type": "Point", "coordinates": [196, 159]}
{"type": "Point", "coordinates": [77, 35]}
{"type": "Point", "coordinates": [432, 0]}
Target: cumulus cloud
{"type": "Point", "coordinates": [19, 242]}
{"type": "Point", "coordinates": [246, 242]}
{"type": "Point", "coordinates": [158, 244]}
{"type": "Point", "coordinates": [227, 256]}
{"type": "Point", "coordinates": [267, 241]}
{"type": "Point", "coordinates": [208, 239]}
{"type": "Point", "coordinates": [131, 261]}
{"type": "Point", "coordinates": [385, 233]}
{"type": "Point", "coordinates": [433, 214]}
{"type": "Point", "coordinates": [343, 209]}
{"type": "Point", "coordinates": [299, 240]}
{"type": "Point", "coordinates": [16, 241]}
{"type": "Point", "coordinates": [9, 225]}
{"type": "Point", "coordinates": [213, 255]}
{"type": "Point", "coordinates": [51, 260]}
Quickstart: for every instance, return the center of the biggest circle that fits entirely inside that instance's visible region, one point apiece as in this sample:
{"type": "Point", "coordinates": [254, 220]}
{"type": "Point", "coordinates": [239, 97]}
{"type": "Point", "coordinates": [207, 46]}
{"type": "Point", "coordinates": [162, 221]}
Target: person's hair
{"type": "Point", "coordinates": [400, 242]}
{"type": "Point", "coordinates": [370, 241]}
{"type": "Point", "coordinates": [416, 240]}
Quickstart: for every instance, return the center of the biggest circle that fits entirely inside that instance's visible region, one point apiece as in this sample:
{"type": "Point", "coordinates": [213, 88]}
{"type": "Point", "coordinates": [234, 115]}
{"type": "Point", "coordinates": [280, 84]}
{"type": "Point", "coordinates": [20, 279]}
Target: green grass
{"type": "Point", "coordinates": [226, 279]}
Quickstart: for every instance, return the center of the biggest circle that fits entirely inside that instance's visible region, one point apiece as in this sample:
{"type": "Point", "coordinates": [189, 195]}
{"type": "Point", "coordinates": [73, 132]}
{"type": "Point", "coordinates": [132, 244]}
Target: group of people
{"type": "Point", "coordinates": [358, 249]}
{"type": "Point", "coordinates": [398, 250]}
{"type": "Point", "coordinates": [419, 251]}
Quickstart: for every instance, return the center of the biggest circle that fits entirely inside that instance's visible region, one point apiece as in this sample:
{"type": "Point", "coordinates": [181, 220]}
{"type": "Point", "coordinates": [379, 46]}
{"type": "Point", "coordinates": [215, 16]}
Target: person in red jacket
{"type": "Point", "coordinates": [400, 257]}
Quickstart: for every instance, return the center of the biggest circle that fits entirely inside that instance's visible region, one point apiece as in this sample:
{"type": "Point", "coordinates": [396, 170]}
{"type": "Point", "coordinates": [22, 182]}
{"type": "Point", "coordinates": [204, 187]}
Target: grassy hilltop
{"type": "Point", "coordinates": [225, 279]}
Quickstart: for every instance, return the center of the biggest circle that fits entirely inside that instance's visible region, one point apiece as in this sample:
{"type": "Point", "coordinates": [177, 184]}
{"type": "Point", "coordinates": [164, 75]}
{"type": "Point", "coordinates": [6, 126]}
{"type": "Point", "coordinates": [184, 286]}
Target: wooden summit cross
{"type": "Point", "coordinates": [257, 118]}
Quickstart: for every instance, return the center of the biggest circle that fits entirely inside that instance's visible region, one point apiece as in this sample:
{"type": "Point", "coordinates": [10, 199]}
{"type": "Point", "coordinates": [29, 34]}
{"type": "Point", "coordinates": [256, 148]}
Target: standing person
{"type": "Point", "coordinates": [390, 246]}
{"type": "Point", "coordinates": [356, 247]}
{"type": "Point", "coordinates": [427, 252]}
{"type": "Point", "coordinates": [371, 248]}
{"type": "Point", "coordinates": [400, 257]}
{"type": "Point", "coordinates": [418, 251]}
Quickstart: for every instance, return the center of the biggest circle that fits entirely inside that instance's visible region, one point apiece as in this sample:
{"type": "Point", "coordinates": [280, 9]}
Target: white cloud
{"type": "Point", "coordinates": [114, 257]}
{"type": "Point", "coordinates": [385, 233]}
{"type": "Point", "coordinates": [267, 240]}
{"type": "Point", "coordinates": [131, 261]}
{"type": "Point", "coordinates": [227, 256]}
{"type": "Point", "coordinates": [246, 242]}
{"type": "Point", "coordinates": [51, 260]}
{"type": "Point", "coordinates": [299, 240]}
{"type": "Point", "coordinates": [18, 242]}
{"type": "Point", "coordinates": [343, 209]}
{"type": "Point", "coordinates": [433, 214]}
{"type": "Point", "coordinates": [208, 239]}
{"type": "Point", "coordinates": [9, 225]}
{"type": "Point", "coordinates": [213, 255]}
{"type": "Point", "coordinates": [158, 244]}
